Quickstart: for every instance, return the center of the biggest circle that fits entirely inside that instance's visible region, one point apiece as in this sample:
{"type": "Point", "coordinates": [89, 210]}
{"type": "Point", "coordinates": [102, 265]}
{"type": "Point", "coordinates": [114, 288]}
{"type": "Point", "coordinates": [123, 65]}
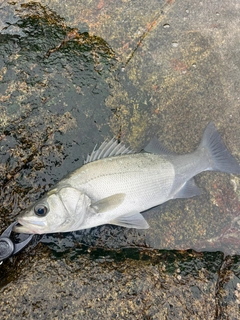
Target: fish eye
{"type": "Point", "coordinates": [40, 210]}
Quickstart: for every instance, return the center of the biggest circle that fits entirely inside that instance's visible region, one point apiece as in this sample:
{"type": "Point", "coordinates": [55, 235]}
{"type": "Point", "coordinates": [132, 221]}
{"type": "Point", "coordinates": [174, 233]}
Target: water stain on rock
{"type": "Point", "coordinates": [54, 80]}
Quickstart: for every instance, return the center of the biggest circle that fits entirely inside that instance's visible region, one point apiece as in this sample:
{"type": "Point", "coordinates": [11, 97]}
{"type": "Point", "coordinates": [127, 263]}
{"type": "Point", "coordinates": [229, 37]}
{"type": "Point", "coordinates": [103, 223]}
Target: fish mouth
{"type": "Point", "coordinates": [29, 227]}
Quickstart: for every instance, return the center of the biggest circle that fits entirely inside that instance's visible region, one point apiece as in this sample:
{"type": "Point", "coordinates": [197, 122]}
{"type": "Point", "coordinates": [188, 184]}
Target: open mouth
{"type": "Point", "coordinates": [29, 227]}
{"type": "Point", "coordinates": [19, 228]}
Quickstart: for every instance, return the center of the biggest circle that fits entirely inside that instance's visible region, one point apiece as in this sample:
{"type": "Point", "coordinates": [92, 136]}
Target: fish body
{"type": "Point", "coordinates": [115, 185]}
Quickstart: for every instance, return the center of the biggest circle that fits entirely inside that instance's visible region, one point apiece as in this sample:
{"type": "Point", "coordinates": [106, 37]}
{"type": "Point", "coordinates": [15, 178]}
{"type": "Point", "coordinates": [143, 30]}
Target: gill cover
{"type": "Point", "coordinates": [76, 204]}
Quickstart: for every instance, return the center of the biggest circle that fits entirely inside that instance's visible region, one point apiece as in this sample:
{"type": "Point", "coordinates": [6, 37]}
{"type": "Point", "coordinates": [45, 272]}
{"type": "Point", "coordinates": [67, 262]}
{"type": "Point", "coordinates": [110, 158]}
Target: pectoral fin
{"type": "Point", "coordinates": [131, 220]}
{"type": "Point", "coordinates": [109, 203]}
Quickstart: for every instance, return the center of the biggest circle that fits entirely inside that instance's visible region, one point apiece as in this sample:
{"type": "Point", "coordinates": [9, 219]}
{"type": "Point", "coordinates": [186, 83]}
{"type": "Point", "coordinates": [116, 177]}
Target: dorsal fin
{"type": "Point", "coordinates": [108, 149]}
{"type": "Point", "coordinates": [155, 146]}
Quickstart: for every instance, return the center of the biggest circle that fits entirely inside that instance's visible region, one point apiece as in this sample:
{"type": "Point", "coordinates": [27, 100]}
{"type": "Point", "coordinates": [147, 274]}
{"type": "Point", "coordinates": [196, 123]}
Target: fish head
{"type": "Point", "coordinates": [61, 210]}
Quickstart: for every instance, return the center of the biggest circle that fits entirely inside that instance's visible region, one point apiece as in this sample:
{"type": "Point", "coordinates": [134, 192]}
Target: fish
{"type": "Point", "coordinates": [115, 185]}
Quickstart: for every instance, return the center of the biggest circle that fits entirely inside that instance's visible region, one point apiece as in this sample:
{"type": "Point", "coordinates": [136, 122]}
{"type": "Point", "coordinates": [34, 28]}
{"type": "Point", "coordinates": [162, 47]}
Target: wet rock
{"type": "Point", "coordinates": [53, 84]}
{"type": "Point", "coordinates": [164, 69]}
{"type": "Point", "coordinates": [125, 284]}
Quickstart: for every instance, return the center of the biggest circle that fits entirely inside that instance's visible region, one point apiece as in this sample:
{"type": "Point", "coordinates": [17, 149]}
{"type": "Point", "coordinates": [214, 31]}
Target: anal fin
{"type": "Point", "coordinates": [131, 220]}
{"type": "Point", "coordinates": [189, 189]}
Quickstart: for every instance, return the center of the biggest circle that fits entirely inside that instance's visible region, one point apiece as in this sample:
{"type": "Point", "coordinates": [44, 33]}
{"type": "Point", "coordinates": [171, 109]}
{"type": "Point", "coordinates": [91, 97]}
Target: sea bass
{"type": "Point", "coordinates": [115, 185]}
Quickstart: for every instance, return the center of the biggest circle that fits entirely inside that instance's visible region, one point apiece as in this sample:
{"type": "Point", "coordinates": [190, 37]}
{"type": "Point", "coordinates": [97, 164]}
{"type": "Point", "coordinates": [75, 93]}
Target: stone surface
{"type": "Point", "coordinates": [73, 74]}
{"type": "Point", "coordinates": [118, 285]}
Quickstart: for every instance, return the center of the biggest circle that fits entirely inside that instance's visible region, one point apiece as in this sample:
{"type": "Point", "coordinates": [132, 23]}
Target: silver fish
{"type": "Point", "coordinates": [115, 185]}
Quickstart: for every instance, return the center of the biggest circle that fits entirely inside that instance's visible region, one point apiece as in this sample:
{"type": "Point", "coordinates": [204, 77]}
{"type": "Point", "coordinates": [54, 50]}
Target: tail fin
{"type": "Point", "coordinates": [219, 157]}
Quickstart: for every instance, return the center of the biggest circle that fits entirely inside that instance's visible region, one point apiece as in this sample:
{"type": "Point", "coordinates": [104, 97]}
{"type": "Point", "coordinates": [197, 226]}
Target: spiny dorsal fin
{"type": "Point", "coordinates": [108, 149]}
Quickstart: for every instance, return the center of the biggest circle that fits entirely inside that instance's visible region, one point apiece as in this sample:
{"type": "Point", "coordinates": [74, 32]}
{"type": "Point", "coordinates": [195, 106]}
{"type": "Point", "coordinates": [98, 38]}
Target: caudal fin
{"type": "Point", "coordinates": [219, 157]}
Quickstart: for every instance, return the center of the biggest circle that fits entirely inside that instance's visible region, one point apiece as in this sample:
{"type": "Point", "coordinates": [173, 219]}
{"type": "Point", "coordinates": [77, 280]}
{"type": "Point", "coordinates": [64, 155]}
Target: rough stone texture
{"type": "Point", "coordinates": [165, 69]}
{"type": "Point", "coordinates": [147, 285]}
